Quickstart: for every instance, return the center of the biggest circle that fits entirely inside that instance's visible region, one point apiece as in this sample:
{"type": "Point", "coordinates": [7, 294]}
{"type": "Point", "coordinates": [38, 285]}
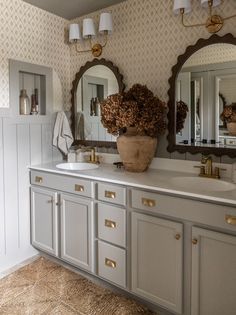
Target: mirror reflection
{"type": "Point", "coordinates": [96, 84]}
{"type": "Point", "coordinates": [205, 95]}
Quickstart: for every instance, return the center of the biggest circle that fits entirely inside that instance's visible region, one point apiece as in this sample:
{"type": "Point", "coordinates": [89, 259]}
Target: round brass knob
{"type": "Point", "coordinates": [194, 241]}
{"type": "Point", "coordinates": [177, 236]}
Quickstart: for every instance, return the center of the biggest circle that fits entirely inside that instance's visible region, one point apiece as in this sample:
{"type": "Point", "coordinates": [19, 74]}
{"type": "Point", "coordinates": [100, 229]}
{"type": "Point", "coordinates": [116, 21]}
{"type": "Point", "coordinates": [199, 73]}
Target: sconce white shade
{"type": "Point", "coordinates": [204, 3]}
{"type": "Point", "coordinates": [74, 32]}
{"type": "Point", "coordinates": [88, 28]}
{"type": "Point", "coordinates": [105, 23]}
{"type": "Point", "coordinates": [182, 4]}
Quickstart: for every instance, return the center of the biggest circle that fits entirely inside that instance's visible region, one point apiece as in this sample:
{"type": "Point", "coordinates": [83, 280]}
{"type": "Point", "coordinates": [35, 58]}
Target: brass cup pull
{"type": "Point", "coordinates": [110, 224]}
{"type": "Point", "coordinates": [177, 236]}
{"type": "Point", "coordinates": [38, 179]}
{"type": "Point", "coordinates": [194, 241]}
{"type": "Point", "coordinates": [148, 202]}
{"type": "Point", "coordinates": [110, 263]}
{"type": "Point", "coordinates": [230, 219]}
{"type": "Point", "coordinates": [110, 194]}
{"type": "Point", "coordinates": [79, 188]}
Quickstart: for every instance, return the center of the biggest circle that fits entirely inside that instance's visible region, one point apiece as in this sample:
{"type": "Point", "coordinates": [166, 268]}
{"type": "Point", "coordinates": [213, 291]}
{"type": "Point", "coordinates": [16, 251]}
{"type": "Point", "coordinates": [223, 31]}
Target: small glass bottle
{"type": "Point", "coordinates": [24, 103]}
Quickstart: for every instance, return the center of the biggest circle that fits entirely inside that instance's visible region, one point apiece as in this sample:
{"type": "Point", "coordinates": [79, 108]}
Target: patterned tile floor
{"type": "Point", "coordinates": [43, 287]}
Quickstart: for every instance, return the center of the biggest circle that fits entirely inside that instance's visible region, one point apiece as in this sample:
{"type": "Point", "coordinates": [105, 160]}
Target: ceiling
{"type": "Point", "coordinates": [70, 9]}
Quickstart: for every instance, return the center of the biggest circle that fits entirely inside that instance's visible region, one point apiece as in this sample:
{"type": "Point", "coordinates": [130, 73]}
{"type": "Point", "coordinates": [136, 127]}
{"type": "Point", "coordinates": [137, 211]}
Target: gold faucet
{"type": "Point", "coordinates": [206, 169]}
{"type": "Point", "coordinates": [93, 158]}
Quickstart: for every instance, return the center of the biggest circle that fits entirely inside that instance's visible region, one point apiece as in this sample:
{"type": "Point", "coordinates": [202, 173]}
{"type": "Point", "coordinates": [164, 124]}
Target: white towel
{"type": "Point", "coordinates": [62, 135]}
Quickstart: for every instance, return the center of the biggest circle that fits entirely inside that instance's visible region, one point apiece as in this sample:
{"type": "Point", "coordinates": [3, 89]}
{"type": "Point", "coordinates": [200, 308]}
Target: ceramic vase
{"type": "Point", "coordinates": [136, 151]}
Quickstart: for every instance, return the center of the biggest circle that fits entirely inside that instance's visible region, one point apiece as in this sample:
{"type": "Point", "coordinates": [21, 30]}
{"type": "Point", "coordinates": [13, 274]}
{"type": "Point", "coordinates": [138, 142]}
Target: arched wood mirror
{"type": "Point", "coordinates": [94, 82]}
{"type": "Point", "coordinates": [202, 84]}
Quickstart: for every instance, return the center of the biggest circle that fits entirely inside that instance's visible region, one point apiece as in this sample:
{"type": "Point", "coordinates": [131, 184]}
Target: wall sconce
{"type": "Point", "coordinates": [105, 28]}
{"type": "Point", "coordinates": [214, 22]}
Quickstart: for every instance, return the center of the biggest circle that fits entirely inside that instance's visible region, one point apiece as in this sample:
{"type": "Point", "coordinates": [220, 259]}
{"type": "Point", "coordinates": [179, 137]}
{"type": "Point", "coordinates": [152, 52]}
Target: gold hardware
{"type": "Point", "coordinates": [148, 202]}
{"type": "Point", "coordinates": [96, 49]}
{"type": "Point", "coordinates": [206, 171]}
{"type": "Point", "coordinates": [110, 194]}
{"type": "Point", "coordinates": [177, 237]}
{"type": "Point", "coordinates": [79, 188]}
{"type": "Point", "coordinates": [230, 219]}
{"type": "Point", "coordinates": [110, 263]}
{"type": "Point", "coordinates": [38, 179]}
{"type": "Point", "coordinates": [194, 241]}
{"type": "Point", "coordinates": [214, 22]}
{"type": "Point", "coordinates": [92, 156]}
{"type": "Point", "coordinates": [110, 224]}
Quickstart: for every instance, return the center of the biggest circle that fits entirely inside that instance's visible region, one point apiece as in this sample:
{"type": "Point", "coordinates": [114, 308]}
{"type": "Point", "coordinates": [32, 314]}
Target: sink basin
{"type": "Point", "coordinates": [202, 184]}
{"type": "Point", "coordinates": [80, 166]}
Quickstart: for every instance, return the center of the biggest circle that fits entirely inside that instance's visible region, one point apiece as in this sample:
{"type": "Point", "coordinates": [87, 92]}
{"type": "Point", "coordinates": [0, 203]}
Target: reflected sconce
{"type": "Point", "coordinates": [105, 28]}
{"type": "Point", "coordinates": [214, 22]}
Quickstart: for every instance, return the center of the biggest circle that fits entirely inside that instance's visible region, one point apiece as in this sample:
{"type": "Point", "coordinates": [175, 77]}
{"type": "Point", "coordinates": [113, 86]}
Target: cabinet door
{"type": "Point", "coordinates": [44, 220]}
{"type": "Point", "coordinates": [213, 273]}
{"type": "Point", "coordinates": [76, 240]}
{"type": "Point", "coordinates": [157, 266]}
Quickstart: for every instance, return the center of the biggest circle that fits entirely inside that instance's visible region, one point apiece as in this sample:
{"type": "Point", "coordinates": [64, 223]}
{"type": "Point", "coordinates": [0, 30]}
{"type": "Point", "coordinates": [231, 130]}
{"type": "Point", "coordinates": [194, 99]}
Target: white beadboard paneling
{"type": "Point", "coordinates": [46, 143]}
{"type": "Point", "coordinates": [11, 185]}
{"type": "Point", "coordinates": [36, 143]}
{"type": "Point", "coordinates": [23, 160]}
{"type": "Point", "coordinates": [23, 141]}
{"type": "Point", "coordinates": [2, 206]}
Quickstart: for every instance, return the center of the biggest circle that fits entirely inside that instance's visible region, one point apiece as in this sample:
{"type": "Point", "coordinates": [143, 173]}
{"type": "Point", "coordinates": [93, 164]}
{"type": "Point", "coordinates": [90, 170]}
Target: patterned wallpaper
{"type": "Point", "coordinates": [32, 35]}
{"type": "Point", "coordinates": [148, 38]}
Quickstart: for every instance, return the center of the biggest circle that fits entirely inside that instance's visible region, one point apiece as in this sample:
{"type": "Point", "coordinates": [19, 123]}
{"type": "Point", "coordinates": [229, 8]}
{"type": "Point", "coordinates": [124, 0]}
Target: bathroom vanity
{"type": "Point", "coordinates": [145, 233]}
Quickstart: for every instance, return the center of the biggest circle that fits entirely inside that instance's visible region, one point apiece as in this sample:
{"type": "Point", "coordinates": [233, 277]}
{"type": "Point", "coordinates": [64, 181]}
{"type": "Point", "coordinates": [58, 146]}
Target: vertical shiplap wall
{"type": "Point", "coordinates": [23, 141]}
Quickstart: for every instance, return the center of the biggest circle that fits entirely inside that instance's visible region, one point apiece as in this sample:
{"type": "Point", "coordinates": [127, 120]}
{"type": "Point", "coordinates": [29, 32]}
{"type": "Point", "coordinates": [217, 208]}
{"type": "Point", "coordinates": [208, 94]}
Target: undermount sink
{"type": "Point", "coordinates": [202, 184]}
{"type": "Point", "coordinates": [80, 166]}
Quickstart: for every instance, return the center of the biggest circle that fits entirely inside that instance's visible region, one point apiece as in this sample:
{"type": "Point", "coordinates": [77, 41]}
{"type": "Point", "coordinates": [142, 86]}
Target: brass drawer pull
{"type": "Point", "coordinates": [148, 202]}
{"type": "Point", "coordinates": [79, 188]}
{"type": "Point", "coordinates": [110, 194]}
{"type": "Point", "coordinates": [110, 263]}
{"type": "Point", "coordinates": [38, 179]}
{"type": "Point", "coordinates": [110, 224]}
{"type": "Point", "coordinates": [194, 241]}
{"type": "Point", "coordinates": [177, 236]}
{"type": "Point", "coordinates": [230, 219]}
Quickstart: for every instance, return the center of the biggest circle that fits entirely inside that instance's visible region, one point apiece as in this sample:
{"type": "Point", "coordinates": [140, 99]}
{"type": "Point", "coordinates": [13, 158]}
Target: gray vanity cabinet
{"type": "Point", "coordinates": [76, 229]}
{"type": "Point", "coordinates": [213, 273]}
{"type": "Point", "coordinates": [44, 220]}
{"type": "Point", "coordinates": [157, 260]}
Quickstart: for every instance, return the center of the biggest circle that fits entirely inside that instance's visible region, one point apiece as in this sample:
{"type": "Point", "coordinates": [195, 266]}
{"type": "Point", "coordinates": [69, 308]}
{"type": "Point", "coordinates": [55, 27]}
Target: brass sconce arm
{"type": "Point", "coordinates": [214, 22]}
{"type": "Point", "coordinates": [96, 48]}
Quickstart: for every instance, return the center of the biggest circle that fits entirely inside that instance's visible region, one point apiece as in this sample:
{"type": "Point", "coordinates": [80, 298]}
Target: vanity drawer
{"type": "Point", "coordinates": [112, 263]}
{"type": "Point", "coordinates": [112, 224]}
{"type": "Point", "coordinates": [213, 215]}
{"type": "Point", "coordinates": [62, 182]}
{"type": "Point", "coordinates": [112, 193]}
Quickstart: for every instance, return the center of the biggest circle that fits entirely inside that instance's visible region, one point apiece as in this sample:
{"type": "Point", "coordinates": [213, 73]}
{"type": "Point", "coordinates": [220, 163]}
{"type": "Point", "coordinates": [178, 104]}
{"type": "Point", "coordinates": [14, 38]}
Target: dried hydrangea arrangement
{"type": "Point", "coordinates": [137, 107]}
{"type": "Point", "coordinates": [229, 113]}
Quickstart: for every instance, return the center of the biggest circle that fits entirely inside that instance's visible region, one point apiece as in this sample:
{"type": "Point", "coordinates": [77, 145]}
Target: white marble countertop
{"type": "Point", "coordinates": [153, 179]}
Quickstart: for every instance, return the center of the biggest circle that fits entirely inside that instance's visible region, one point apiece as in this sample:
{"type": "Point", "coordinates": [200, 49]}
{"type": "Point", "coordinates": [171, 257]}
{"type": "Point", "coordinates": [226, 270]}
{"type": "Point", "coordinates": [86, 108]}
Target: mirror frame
{"type": "Point", "coordinates": [171, 137]}
{"type": "Point", "coordinates": [78, 76]}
